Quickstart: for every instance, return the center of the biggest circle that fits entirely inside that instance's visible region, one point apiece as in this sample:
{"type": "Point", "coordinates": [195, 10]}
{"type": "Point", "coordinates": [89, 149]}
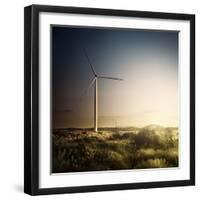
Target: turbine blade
{"type": "Point", "coordinates": [112, 78]}
{"type": "Point", "coordinates": [89, 86]}
{"type": "Point", "coordinates": [89, 62]}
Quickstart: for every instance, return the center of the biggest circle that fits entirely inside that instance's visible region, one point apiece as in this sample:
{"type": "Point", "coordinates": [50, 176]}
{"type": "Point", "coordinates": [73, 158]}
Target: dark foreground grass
{"type": "Point", "coordinates": [114, 149]}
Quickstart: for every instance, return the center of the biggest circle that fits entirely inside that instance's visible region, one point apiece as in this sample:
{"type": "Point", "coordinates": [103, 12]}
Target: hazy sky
{"type": "Point", "coordinates": [146, 60]}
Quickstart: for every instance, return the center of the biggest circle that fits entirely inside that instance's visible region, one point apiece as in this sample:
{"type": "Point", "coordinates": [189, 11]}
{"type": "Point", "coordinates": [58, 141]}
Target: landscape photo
{"type": "Point", "coordinates": [114, 99]}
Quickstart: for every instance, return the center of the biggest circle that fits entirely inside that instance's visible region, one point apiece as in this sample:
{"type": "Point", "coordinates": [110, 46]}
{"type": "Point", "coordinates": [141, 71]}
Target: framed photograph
{"type": "Point", "coordinates": [109, 100]}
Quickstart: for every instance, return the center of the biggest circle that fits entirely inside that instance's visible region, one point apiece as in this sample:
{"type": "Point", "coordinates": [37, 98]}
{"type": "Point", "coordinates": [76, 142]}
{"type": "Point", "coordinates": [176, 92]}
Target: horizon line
{"type": "Point", "coordinates": [118, 127]}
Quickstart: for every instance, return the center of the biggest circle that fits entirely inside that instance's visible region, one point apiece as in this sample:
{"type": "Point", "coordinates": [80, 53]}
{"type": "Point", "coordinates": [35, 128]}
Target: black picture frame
{"type": "Point", "coordinates": [31, 99]}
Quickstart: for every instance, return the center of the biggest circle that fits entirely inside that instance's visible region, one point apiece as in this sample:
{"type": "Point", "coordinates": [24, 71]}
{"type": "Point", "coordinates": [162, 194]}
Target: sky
{"type": "Point", "coordinates": [147, 61]}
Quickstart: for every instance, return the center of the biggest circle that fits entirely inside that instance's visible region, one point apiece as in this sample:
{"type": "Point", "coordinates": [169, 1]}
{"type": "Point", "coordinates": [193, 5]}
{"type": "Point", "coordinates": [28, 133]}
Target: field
{"type": "Point", "coordinates": [76, 150]}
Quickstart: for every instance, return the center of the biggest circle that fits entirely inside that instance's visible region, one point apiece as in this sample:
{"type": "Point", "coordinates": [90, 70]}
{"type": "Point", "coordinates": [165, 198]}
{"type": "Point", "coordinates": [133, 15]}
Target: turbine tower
{"type": "Point", "coordinates": [95, 82]}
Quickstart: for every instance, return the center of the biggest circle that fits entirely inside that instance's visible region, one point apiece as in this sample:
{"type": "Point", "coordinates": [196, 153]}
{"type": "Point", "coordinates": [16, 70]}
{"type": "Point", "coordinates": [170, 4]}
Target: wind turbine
{"type": "Point", "coordinates": [95, 83]}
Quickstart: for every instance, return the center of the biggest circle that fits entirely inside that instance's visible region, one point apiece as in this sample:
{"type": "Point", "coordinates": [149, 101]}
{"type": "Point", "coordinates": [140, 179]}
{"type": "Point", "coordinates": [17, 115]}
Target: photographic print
{"type": "Point", "coordinates": [114, 99]}
{"type": "Point", "coordinates": [109, 99]}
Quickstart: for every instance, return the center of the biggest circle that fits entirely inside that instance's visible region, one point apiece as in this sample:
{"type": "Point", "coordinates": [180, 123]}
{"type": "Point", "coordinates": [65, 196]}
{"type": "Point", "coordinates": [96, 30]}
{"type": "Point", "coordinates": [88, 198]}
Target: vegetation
{"type": "Point", "coordinates": [114, 149]}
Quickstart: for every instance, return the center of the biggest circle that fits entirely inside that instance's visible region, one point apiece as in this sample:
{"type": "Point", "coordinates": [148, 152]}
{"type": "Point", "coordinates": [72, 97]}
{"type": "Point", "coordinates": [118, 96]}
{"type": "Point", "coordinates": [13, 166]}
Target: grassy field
{"type": "Point", "coordinates": [76, 150]}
